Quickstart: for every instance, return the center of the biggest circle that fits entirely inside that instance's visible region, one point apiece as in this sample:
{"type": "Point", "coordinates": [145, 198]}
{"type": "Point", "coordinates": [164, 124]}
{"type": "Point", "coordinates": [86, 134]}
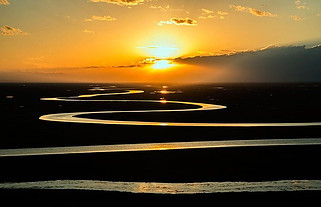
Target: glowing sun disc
{"type": "Point", "coordinates": [162, 64]}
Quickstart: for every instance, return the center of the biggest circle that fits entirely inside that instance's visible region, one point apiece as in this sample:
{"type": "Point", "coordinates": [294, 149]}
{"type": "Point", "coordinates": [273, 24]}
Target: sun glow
{"type": "Point", "coordinates": [160, 54]}
{"type": "Point", "coordinates": [163, 64]}
{"type": "Point", "coordinates": [160, 51]}
{"type": "Point", "coordinates": [164, 52]}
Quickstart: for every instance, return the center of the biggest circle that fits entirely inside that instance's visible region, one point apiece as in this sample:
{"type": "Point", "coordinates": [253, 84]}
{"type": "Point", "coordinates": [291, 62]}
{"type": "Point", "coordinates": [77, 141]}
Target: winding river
{"type": "Point", "coordinates": [74, 116]}
{"type": "Point", "coordinates": [152, 187]}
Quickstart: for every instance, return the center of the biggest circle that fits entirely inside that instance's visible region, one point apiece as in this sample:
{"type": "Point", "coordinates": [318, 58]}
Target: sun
{"type": "Point", "coordinates": [162, 64]}
{"type": "Point", "coordinates": [160, 56]}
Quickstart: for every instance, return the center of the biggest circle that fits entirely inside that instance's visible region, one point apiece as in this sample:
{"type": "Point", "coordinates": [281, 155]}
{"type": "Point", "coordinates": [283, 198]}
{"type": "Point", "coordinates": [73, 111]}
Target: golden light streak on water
{"type": "Point", "coordinates": [73, 117]}
{"type": "Point", "coordinates": [170, 188]}
{"type": "Point", "coordinates": [158, 146]}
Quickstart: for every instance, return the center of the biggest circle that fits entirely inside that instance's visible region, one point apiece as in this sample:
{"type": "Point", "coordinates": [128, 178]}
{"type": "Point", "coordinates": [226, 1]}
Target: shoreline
{"type": "Point", "coordinates": [54, 197]}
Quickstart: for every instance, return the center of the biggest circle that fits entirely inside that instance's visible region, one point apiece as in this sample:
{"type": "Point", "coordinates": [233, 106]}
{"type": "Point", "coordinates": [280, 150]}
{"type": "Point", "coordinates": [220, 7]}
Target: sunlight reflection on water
{"type": "Point", "coordinates": [171, 188]}
{"type": "Point", "coordinates": [158, 146]}
{"type": "Point", "coordinates": [73, 117]}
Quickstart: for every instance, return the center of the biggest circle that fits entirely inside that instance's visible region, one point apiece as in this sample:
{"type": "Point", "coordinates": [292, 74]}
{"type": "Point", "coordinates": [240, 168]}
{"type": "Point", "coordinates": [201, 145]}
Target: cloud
{"type": "Point", "coordinates": [179, 21]}
{"type": "Point", "coordinates": [222, 13]}
{"type": "Point", "coordinates": [160, 51]}
{"type": "Point", "coordinates": [100, 18]}
{"type": "Point", "coordinates": [207, 11]}
{"type": "Point", "coordinates": [272, 64]}
{"type": "Point", "coordinates": [296, 18]}
{"type": "Point", "coordinates": [209, 14]}
{"type": "Point", "coordinates": [88, 31]}
{"type": "Point", "coordinates": [4, 2]}
{"type": "Point", "coordinates": [299, 4]}
{"type": "Point", "coordinates": [239, 8]}
{"type": "Point", "coordinates": [157, 47]}
{"type": "Point", "coordinates": [255, 12]}
{"type": "Point", "coordinates": [11, 31]}
{"type": "Point", "coordinates": [147, 62]}
{"type": "Point", "coordinates": [140, 64]}
{"type": "Point", "coordinates": [120, 2]}
{"type": "Point", "coordinates": [166, 8]}
{"type": "Point", "coordinates": [127, 66]}
{"type": "Point", "coordinates": [261, 13]}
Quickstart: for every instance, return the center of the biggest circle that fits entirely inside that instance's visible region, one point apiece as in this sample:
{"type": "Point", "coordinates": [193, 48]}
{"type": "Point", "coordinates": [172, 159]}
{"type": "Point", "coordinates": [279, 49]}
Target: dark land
{"type": "Point", "coordinates": [21, 107]}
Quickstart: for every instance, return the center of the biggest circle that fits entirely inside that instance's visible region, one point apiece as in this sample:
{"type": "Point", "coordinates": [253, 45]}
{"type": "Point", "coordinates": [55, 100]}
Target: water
{"type": "Point", "coordinates": [157, 147]}
{"type": "Point", "coordinates": [73, 117]}
{"type": "Point", "coordinates": [58, 123]}
{"type": "Point", "coordinates": [171, 188]}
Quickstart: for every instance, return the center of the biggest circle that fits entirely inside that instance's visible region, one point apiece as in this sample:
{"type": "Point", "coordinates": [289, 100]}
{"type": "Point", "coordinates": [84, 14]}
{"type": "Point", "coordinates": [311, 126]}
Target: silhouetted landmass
{"type": "Point", "coordinates": [21, 107]}
{"type": "Point", "coordinates": [273, 64]}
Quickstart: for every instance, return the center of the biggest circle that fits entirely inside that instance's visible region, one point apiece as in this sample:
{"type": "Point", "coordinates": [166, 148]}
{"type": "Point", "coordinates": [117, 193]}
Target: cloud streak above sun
{"type": "Point", "coordinates": [179, 21]}
{"type": "Point", "coordinates": [120, 2]}
{"type": "Point", "coordinates": [158, 51]}
{"type": "Point", "coordinates": [252, 11]}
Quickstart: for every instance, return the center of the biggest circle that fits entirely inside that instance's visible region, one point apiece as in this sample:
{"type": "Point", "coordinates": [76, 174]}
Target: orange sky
{"type": "Point", "coordinates": [130, 41]}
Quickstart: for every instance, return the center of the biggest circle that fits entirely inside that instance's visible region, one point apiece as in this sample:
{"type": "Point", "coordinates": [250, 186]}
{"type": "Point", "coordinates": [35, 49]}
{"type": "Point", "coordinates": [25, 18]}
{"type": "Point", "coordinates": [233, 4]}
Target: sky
{"type": "Point", "coordinates": [183, 41]}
